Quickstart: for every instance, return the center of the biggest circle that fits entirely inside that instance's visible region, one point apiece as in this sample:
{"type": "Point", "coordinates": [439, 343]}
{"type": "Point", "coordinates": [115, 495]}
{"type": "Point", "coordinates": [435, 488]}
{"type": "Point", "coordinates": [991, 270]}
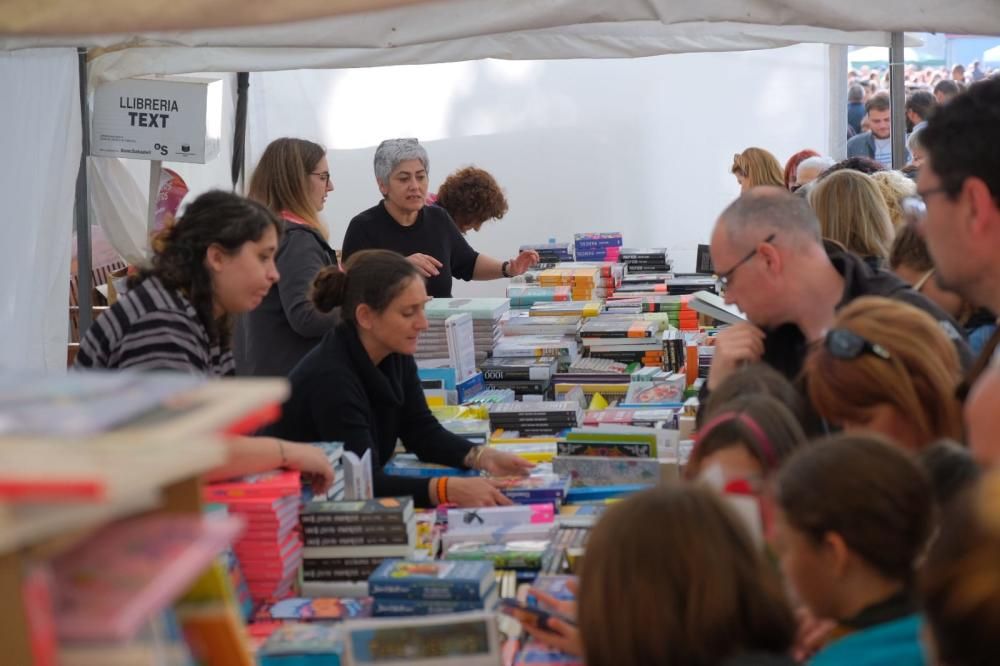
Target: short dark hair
{"type": "Point", "coordinates": [878, 102]}
{"type": "Point", "coordinates": [214, 218]}
{"type": "Point", "coordinates": [872, 494]}
{"type": "Point", "coordinates": [921, 103]}
{"type": "Point", "coordinates": [371, 277]}
{"type": "Point", "coordinates": [855, 93]}
{"type": "Point", "coordinates": [753, 379]}
{"type": "Point", "coordinates": [951, 468]}
{"type": "Point", "coordinates": [865, 165]}
{"type": "Point", "coordinates": [961, 139]}
{"type": "Point", "coordinates": [909, 249]}
{"type": "Point", "coordinates": [947, 87]}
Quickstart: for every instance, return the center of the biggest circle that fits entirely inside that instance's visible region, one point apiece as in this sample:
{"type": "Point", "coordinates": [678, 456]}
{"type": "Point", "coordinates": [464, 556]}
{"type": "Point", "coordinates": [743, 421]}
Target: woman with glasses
{"type": "Point", "coordinates": [292, 179]}
{"type": "Point", "coordinates": [887, 367]}
{"type": "Point", "coordinates": [426, 235]}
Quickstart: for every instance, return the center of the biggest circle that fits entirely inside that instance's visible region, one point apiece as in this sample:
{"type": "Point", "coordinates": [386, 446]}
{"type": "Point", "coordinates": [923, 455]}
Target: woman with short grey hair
{"type": "Point", "coordinates": [426, 235]}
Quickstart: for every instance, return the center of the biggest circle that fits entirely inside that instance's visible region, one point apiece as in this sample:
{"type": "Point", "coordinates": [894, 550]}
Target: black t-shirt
{"type": "Point", "coordinates": [434, 233]}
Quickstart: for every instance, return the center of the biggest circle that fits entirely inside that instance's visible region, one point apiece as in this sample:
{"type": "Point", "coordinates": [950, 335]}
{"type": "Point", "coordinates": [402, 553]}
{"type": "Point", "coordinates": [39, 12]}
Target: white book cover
{"type": "Point", "coordinates": [712, 305]}
{"type": "Point", "coordinates": [358, 483]}
{"type": "Point", "coordinates": [460, 639]}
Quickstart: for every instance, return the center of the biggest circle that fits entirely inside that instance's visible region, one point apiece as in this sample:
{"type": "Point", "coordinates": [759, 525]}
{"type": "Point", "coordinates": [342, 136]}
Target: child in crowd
{"type": "Point", "coordinates": [887, 367]}
{"type": "Point", "coordinates": [712, 600]}
{"type": "Point", "coordinates": [747, 438]}
{"type": "Point", "coordinates": [854, 516]}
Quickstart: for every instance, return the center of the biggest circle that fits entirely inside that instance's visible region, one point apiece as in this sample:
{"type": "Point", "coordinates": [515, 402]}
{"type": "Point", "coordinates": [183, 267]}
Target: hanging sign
{"type": "Point", "coordinates": [177, 119]}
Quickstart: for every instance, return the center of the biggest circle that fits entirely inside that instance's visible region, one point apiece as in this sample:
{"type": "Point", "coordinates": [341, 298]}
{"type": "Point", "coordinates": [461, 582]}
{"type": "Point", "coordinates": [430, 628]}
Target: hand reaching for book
{"type": "Point", "coordinates": [561, 635]}
{"type": "Point", "coordinates": [471, 491]}
{"type": "Point", "coordinates": [499, 463]}
{"type": "Point", "coordinates": [523, 262]}
{"type": "Point", "coordinates": [311, 461]}
{"type": "Point", "coordinates": [735, 345]}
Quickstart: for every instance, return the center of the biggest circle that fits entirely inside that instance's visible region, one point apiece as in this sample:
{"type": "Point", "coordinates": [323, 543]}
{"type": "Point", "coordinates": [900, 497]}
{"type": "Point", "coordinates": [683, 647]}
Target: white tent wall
{"type": "Point", "coordinates": [41, 145]}
{"type": "Point", "coordinates": [119, 189]}
{"type": "Point", "coordinates": [643, 146]}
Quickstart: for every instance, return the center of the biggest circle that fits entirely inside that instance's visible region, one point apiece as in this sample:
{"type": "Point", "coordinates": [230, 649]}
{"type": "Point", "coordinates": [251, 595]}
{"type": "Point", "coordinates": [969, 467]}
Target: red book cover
{"type": "Point", "coordinates": [270, 485]}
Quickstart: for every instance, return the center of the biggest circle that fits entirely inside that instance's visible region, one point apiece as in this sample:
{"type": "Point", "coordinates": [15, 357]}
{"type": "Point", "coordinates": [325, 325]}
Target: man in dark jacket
{"type": "Point", "coordinates": [876, 143]}
{"type": "Point", "coordinates": [776, 268]}
{"type": "Point", "coordinates": [855, 107]}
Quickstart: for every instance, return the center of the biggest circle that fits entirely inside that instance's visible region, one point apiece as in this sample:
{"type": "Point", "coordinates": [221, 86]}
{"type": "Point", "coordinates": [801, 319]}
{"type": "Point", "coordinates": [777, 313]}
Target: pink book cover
{"type": "Point", "coordinates": [264, 507]}
{"type": "Point", "coordinates": [270, 485]}
{"type": "Point", "coordinates": [109, 586]}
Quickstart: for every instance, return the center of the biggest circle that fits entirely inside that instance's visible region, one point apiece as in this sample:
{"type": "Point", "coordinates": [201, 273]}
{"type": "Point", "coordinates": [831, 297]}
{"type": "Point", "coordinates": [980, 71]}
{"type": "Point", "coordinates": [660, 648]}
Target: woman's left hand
{"type": "Point", "coordinates": [498, 463]}
{"type": "Point", "coordinates": [523, 262]}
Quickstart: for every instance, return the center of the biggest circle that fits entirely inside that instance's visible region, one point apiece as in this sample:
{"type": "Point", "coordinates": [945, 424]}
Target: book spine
{"type": "Point", "coordinates": [406, 608]}
{"type": "Point", "coordinates": [331, 518]}
{"type": "Point", "coordinates": [369, 529]}
{"type": "Point", "coordinates": [357, 540]}
{"type": "Point", "coordinates": [435, 590]}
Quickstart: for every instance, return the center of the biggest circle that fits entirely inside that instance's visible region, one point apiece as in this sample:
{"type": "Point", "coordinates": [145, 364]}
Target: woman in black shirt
{"type": "Point", "coordinates": [426, 235]}
{"type": "Point", "coordinates": [360, 385]}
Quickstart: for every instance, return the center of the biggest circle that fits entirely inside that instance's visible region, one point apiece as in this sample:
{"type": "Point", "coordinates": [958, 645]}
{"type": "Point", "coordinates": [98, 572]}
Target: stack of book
{"type": "Point", "coordinates": [524, 296]}
{"type": "Point", "coordinates": [525, 375]}
{"type": "Point", "coordinates": [535, 418]}
{"type": "Point", "coordinates": [485, 312]}
{"type": "Point", "coordinates": [551, 252]}
{"type": "Point", "coordinates": [501, 524]}
{"type": "Point", "coordinates": [637, 416]}
{"type": "Point", "coordinates": [304, 644]}
{"type": "Point", "coordinates": [599, 246]}
{"type": "Point", "coordinates": [406, 587]}
{"type": "Point", "coordinates": [584, 283]}
{"type": "Point", "coordinates": [539, 488]}
{"type": "Point", "coordinates": [270, 550]}
{"type": "Point", "coordinates": [567, 309]}
{"type": "Point", "coordinates": [645, 260]}
{"type": "Point", "coordinates": [679, 311]}
{"type": "Point", "coordinates": [520, 322]}
{"type": "Point", "coordinates": [347, 541]}
{"type": "Point", "coordinates": [609, 456]}
{"type": "Point", "coordinates": [622, 339]}
{"type": "Point", "coordinates": [407, 464]}
{"type": "Point", "coordinates": [690, 283]}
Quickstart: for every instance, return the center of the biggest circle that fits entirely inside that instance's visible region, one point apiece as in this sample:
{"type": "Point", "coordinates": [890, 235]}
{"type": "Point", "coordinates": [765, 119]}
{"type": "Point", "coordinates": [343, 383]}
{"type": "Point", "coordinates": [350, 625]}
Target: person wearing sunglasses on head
{"type": "Point", "coordinates": [885, 366]}
{"type": "Point", "coordinates": [774, 265]}
{"type": "Point", "coordinates": [292, 179]}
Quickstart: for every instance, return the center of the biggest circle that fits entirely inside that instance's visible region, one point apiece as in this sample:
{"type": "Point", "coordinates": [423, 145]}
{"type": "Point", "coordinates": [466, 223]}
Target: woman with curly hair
{"type": "Point", "coordinates": [472, 197]}
{"type": "Point", "coordinates": [215, 262]}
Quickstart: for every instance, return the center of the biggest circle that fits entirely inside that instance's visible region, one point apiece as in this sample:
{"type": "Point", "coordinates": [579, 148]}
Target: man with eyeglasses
{"type": "Point", "coordinates": [775, 267]}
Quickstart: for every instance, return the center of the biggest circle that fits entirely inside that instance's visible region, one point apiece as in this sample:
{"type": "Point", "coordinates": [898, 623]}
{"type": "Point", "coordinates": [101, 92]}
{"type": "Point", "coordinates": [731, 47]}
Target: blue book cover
{"type": "Point", "coordinates": [406, 464]}
{"type": "Point", "coordinates": [537, 488]}
{"type": "Point", "coordinates": [432, 580]}
{"type": "Point", "coordinates": [388, 607]}
{"type": "Point", "coordinates": [584, 494]}
{"type": "Point", "coordinates": [322, 641]}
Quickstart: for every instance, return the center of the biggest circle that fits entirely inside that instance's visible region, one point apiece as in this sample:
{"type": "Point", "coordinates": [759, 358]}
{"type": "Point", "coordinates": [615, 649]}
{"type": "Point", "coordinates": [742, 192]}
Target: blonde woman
{"type": "Point", "coordinates": [851, 211]}
{"type": "Point", "coordinates": [755, 167]}
{"type": "Point", "coordinates": [292, 179]}
{"type": "Point", "coordinates": [894, 187]}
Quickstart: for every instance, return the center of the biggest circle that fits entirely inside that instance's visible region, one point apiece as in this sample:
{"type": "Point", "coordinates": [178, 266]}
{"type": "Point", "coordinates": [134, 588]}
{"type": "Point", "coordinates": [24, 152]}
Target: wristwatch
{"type": "Point", "coordinates": [503, 269]}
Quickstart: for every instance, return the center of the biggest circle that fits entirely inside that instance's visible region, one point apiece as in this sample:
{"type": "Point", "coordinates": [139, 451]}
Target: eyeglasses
{"type": "Point", "coordinates": [847, 345]}
{"type": "Point", "coordinates": [323, 175]}
{"type": "Point", "coordinates": [915, 208]}
{"type": "Point", "coordinates": [725, 277]}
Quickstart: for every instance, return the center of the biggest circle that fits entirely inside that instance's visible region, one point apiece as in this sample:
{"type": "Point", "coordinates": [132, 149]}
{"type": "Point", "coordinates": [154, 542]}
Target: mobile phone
{"type": "Point", "coordinates": [530, 615]}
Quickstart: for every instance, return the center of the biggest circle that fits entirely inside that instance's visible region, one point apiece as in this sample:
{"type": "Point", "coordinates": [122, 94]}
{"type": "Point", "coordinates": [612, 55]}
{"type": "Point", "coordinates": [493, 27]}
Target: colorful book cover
{"type": "Point", "coordinates": [264, 486]}
{"type": "Point", "coordinates": [431, 580]}
{"type": "Point", "coordinates": [654, 394]}
{"type": "Point", "coordinates": [108, 586]}
{"type": "Point", "coordinates": [315, 610]}
{"type": "Point", "coordinates": [513, 555]}
{"type": "Point", "coordinates": [304, 638]}
{"type": "Point", "coordinates": [555, 585]}
{"type": "Point", "coordinates": [587, 471]}
{"type": "Point", "coordinates": [535, 653]}
{"type": "Point", "coordinates": [568, 448]}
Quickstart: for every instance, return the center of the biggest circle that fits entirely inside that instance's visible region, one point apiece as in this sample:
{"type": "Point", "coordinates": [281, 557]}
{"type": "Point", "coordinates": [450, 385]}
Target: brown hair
{"type": "Point", "coordinates": [852, 212]}
{"type": "Point", "coordinates": [471, 196]}
{"type": "Point", "coordinates": [867, 491]}
{"type": "Point", "coordinates": [909, 249]}
{"type": "Point", "coordinates": [281, 178]}
{"type": "Point", "coordinates": [960, 580]}
{"type": "Point", "coordinates": [372, 277]}
{"type": "Point", "coordinates": [894, 186]}
{"type": "Point", "coordinates": [918, 379]}
{"type": "Point", "coordinates": [759, 167]}
{"type": "Point", "coordinates": [712, 596]}
{"type": "Point", "coordinates": [761, 424]}
{"type": "Point", "coordinates": [753, 379]}
{"type": "Point", "coordinates": [879, 102]}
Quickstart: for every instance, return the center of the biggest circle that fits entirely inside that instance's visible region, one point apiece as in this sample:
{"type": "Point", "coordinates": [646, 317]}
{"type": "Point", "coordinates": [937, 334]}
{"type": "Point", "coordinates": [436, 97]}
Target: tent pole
{"type": "Point", "coordinates": [837, 143]}
{"type": "Point", "coordinates": [897, 95]}
{"type": "Point", "coordinates": [240, 126]}
{"type": "Point", "coordinates": [84, 261]}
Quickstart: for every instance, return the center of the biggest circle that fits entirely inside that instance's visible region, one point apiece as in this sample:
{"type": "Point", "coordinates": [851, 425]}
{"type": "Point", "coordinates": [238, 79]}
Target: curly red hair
{"type": "Point", "coordinates": [471, 196]}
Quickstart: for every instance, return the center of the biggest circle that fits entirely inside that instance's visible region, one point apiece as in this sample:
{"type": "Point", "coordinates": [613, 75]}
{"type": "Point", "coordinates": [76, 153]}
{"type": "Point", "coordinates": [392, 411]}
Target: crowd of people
{"type": "Point", "coordinates": [858, 405]}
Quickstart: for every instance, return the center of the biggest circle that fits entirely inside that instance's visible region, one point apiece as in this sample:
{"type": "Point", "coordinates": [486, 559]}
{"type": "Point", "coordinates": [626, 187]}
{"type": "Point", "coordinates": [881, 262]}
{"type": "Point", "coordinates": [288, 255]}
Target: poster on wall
{"type": "Point", "coordinates": [176, 119]}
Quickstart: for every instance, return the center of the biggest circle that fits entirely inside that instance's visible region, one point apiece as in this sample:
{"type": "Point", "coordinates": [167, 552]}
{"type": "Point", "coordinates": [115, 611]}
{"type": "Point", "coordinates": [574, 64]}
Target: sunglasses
{"type": "Point", "coordinates": [847, 345]}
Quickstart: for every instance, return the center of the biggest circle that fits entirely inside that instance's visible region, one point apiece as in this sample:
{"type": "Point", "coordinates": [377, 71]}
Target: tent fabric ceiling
{"type": "Point", "coordinates": [73, 17]}
{"type": "Point", "coordinates": [450, 30]}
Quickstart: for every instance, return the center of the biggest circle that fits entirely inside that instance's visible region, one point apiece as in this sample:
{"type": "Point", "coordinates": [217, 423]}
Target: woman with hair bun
{"type": "Point", "coordinates": [292, 179]}
{"type": "Point", "coordinates": [360, 385]}
{"type": "Point", "coordinates": [215, 262]}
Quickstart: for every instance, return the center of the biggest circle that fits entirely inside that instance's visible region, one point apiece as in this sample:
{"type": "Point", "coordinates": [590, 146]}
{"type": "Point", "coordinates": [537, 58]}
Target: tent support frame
{"type": "Point", "coordinates": [897, 97]}
{"type": "Point", "coordinates": [84, 261]}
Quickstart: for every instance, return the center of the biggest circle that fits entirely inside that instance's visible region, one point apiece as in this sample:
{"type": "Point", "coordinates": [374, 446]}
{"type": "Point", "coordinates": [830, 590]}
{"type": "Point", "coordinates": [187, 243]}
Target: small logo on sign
{"type": "Point", "coordinates": [185, 148]}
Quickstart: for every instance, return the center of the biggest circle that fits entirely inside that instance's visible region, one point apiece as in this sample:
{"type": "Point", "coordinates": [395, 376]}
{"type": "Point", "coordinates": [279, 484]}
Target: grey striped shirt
{"type": "Point", "coordinates": [152, 328]}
